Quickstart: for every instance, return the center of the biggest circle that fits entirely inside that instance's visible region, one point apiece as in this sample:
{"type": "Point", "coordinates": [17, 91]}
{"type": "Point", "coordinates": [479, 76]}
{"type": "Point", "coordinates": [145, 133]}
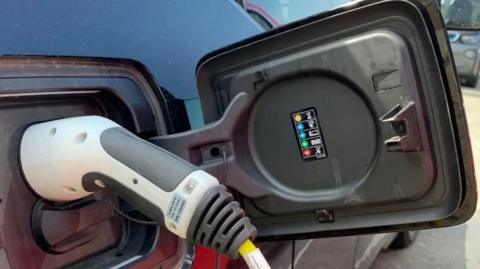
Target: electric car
{"type": "Point", "coordinates": [206, 82]}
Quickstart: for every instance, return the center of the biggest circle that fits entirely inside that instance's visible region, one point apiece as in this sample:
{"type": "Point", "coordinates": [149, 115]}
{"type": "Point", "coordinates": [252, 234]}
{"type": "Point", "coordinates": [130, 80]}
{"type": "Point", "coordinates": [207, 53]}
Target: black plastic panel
{"type": "Point", "coordinates": [350, 135]}
{"type": "Point", "coordinates": [373, 73]}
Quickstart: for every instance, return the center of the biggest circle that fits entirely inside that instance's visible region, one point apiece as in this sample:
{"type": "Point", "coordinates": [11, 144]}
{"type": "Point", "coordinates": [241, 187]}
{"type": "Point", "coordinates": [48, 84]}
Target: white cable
{"type": "Point", "coordinates": [253, 256]}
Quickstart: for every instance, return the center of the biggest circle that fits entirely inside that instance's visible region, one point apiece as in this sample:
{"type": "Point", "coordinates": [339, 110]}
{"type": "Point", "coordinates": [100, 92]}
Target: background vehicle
{"type": "Point", "coordinates": [461, 18]}
{"type": "Point", "coordinates": [84, 69]}
{"type": "Point", "coordinates": [286, 11]}
{"type": "Point", "coordinates": [259, 14]}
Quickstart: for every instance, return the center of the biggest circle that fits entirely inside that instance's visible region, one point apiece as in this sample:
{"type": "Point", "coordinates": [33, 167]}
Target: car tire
{"type": "Point", "coordinates": [404, 239]}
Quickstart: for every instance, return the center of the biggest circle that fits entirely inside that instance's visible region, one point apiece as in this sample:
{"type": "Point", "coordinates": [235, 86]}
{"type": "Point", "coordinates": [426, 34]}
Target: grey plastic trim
{"type": "Point", "coordinates": [163, 168]}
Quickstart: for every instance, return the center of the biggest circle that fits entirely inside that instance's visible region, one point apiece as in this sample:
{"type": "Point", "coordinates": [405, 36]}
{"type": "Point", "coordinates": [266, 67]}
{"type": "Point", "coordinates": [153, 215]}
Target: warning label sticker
{"type": "Point", "coordinates": [176, 207]}
{"type": "Point", "coordinates": [309, 134]}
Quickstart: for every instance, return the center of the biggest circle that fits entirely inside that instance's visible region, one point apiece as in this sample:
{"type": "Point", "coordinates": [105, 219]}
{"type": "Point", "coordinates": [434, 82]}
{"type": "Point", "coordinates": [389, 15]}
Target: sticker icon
{"type": "Point", "coordinates": [308, 134]}
{"type": "Point", "coordinates": [313, 133]}
{"type": "Point", "coordinates": [305, 144]}
{"type": "Point", "coordinates": [309, 115]}
{"type": "Point", "coordinates": [315, 141]}
{"type": "Point", "coordinates": [298, 118]}
{"type": "Point", "coordinates": [319, 150]}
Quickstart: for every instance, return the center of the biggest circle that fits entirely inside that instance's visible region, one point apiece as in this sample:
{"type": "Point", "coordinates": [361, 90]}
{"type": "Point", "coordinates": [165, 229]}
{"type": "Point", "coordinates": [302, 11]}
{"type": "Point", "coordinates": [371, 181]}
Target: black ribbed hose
{"type": "Point", "coordinates": [220, 223]}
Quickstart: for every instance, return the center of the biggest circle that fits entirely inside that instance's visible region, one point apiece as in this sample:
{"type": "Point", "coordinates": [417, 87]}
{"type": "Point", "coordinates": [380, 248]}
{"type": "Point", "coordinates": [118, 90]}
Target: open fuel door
{"type": "Point", "coordinates": [345, 123]}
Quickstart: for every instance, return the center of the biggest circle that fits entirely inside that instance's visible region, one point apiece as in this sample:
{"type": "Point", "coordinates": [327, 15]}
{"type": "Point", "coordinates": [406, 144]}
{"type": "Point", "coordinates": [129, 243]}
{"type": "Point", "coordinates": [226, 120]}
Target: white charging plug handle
{"type": "Point", "coordinates": [68, 159]}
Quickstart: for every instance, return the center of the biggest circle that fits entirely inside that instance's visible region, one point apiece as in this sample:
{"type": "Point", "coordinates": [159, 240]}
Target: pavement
{"type": "Point", "coordinates": [447, 248]}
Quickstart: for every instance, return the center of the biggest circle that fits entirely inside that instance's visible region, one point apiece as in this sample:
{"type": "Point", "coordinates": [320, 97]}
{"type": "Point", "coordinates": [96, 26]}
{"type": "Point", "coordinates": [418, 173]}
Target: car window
{"type": "Point", "coordinates": [286, 11]}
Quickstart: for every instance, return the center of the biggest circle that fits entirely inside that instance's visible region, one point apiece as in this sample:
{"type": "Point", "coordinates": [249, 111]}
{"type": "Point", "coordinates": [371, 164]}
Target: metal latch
{"type": "Point", "coordinates": [324, 215]}
{"type": "Point", "coordinates": [404, 124]}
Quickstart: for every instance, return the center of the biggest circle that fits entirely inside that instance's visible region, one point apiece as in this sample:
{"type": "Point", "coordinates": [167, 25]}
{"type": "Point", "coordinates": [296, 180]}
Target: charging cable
{"type": "Point", "coordinates": [253, 256]}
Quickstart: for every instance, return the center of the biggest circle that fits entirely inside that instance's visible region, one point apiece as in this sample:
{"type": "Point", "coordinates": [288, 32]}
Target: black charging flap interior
{"type": "Point", "coordinates": [349, 122]}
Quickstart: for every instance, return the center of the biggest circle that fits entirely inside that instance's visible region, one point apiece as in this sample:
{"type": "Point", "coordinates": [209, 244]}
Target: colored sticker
{"type": "Point", "coordinates": [309, 135]}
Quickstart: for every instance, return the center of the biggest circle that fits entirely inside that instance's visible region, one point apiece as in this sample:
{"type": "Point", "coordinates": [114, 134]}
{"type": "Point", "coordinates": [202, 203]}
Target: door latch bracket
{"type": "Point", "coordinates": [404, 123]}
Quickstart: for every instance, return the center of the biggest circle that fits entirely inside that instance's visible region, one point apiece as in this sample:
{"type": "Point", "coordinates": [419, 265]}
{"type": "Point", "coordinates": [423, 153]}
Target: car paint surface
{"type": "Point", "coordinates": [168, 37]}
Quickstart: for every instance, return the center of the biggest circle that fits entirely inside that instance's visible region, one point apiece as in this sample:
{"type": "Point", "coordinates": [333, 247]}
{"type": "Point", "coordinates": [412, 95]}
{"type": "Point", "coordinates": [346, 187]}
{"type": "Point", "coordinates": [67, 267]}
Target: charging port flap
{"type": "Point", "coordinates": [345, 123]}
